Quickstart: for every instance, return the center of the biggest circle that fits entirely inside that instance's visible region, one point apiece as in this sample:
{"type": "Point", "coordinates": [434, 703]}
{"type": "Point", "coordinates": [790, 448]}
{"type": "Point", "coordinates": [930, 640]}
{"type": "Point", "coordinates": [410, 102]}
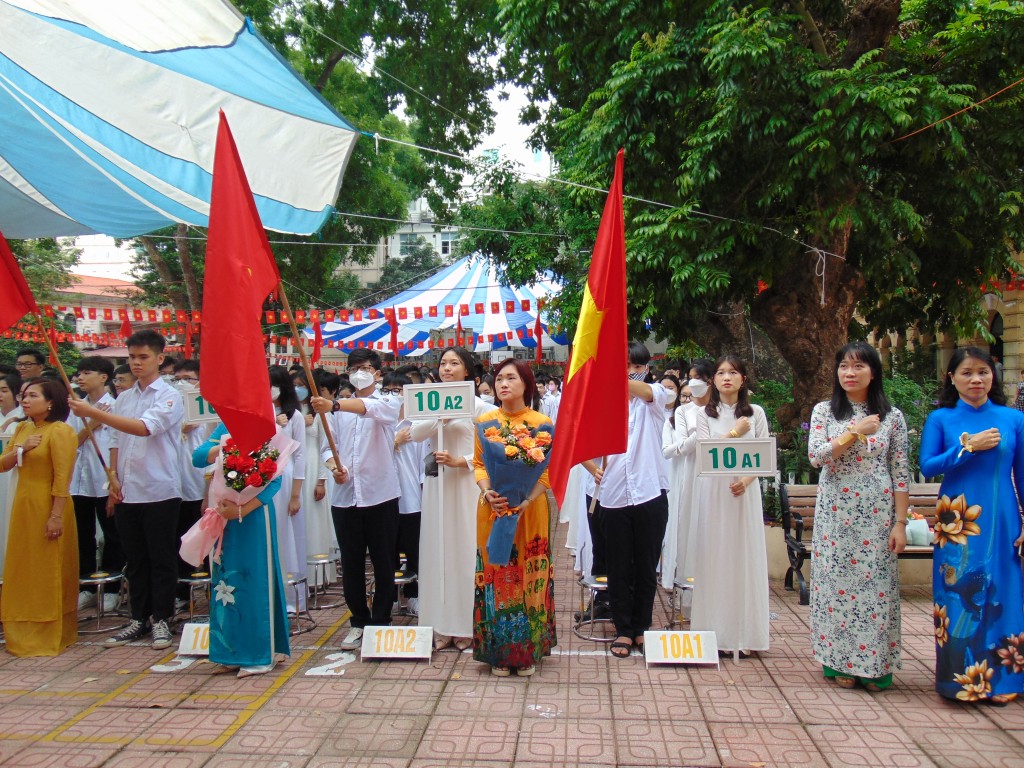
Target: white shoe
{"type": "Point", "coordinates": [110, 603]}
{"type": "Point", "coordinates": [161, 635]}
{"type": "Point", "coordinates": [353, 639]}
{"type": "Point", "coordinates": [86, 600]}
{"type": "Point", "coordinates": [260, 669]}
{"type": "Point", "coordinates": [412, 606]}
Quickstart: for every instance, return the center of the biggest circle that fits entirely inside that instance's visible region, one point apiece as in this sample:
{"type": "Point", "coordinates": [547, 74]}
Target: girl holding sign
{"type": "Point", "coordinates": [447, 604]}
{"type": "Point", "coordinates": [730, 595]}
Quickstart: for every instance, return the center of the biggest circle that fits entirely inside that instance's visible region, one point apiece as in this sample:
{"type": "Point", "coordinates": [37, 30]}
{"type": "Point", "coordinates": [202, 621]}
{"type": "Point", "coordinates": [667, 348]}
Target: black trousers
{"type": "Point", "coordinates": [409, 542]}
{"type": "Point", "coordinates": [188, 515]}
{"type": "Point", "coordinates": [148, 534]}
{"type": "Point", "coordinates": [87, 510]}
{"type": "Point", "coordinates": [599, 566]}
{"type": "Point", "coordinates": [374, 530]}
{"type": "Point", "coordinates": [637, 532]}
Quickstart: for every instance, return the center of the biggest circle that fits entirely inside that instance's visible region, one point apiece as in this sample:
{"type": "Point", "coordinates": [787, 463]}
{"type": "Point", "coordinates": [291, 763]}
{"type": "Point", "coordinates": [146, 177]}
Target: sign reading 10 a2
{"type": "Point", "coordinates": [742, 458]}
{"type": "Point", "coordinates": [440, 401]}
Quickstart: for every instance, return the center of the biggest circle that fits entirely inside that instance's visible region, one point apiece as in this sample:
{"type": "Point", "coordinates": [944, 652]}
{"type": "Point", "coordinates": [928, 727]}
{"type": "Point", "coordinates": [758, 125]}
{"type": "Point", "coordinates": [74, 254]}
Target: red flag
{"type": "Point", "coordinates": [537, 330]}
{"type": "Point", "coordinates": [458, 331]}
{"type": "Point", "coordinates": [126, 327]}
{"type": "Point", "coordinates": [393, 321]}
{"type": "Point", "coordinates": [596, 378]}
{"type": "Point", "coordinates": [318, 342]}
{"type": "Point", "coordinates": [188, 341]}
{"type": "Point", "coordinates": [240, 274]}
{"type": "Point", "coordinates": [15, 297]}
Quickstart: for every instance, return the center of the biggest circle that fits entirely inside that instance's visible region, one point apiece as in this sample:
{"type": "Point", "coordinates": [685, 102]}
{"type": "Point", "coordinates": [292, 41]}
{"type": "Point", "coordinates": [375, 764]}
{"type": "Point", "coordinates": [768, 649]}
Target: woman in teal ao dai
{"type": "Point", "coordinates": [248, 622]}
{"type": "Point", "coordinates": [977, 444]}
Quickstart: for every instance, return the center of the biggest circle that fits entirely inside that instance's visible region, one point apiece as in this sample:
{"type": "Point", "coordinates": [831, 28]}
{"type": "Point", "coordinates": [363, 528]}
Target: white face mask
{"type": "Point", "coordinates": [275, 392]}
{"type": "Point", "coordinates": [361, 379]}
{"type": "Point", "coordinates": [697, 387]}
{"type": "Point", "coordinates": [487, 399]}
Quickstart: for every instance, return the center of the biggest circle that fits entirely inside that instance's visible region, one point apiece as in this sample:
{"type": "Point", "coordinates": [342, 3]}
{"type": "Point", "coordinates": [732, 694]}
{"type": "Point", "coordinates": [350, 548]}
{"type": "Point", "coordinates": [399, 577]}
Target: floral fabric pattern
{"type": "Point", "coordinates": [978, 580]}
{"type": "Point", "coordinates": [855, 602]}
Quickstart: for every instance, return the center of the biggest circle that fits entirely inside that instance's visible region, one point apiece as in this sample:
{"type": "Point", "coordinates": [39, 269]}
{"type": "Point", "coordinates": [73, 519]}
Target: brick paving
{"type": "Point", "coordinates": [138, 707]}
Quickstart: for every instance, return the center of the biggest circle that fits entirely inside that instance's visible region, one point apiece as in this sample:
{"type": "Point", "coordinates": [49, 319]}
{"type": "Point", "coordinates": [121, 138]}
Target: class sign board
{"type": "Point", "coordinates": [450, 400]}
{"type": "Point", "coordinates": [678, 647]}
{"type": "Point", "coordinates": [197, 410]}
{"type": "Point", "coordinates": [195, 640]}
{"type": "Point", "coordinates": [741, 458]}
{"type": "Point", "coordinates": [397, 643]}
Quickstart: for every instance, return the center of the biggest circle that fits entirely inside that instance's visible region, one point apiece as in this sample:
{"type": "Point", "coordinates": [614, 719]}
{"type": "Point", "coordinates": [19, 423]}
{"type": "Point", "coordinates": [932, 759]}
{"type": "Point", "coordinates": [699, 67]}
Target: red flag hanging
{"type": "Point", "coordinates": [458, 331]}
{"type": "Point", "coordinates": [537, 331]}
{"type": "Point", "coordinates": [188, 341]}
{"type": "Point", "coordinates": [240, 274]}
{"type": "Point", "coordinates": [393, 322]}
{"type": "Point", "coordinates": [126, 327]}
{"type": "Point", "coordinates": [15, 297]}
{"type": "Point", "coordinates": [595, 381]}
{"type": "Point", "coordinates": [318, 342]}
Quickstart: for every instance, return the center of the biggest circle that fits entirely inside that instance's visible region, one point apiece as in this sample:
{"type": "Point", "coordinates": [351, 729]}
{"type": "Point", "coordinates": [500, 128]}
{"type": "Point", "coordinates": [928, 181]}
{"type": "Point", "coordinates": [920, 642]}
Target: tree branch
{"type": "Point", "coordinates": [329, 65]}
{"type": "Point", "coordinates": [187, 270]}
{"type": "Point", "coordinates": [817, 41]}
{"type": "Point", "coordinates": [174, 292]}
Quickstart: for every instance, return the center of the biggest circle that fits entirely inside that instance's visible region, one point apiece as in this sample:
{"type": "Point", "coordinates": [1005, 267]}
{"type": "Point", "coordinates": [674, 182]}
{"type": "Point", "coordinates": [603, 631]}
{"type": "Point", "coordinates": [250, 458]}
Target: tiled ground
{"type": "Point", "coordinates": [138, 707]}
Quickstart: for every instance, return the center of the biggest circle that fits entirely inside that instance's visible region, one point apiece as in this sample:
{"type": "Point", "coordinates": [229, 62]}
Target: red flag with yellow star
{"type": "Point", "coordinates": [593, 414]}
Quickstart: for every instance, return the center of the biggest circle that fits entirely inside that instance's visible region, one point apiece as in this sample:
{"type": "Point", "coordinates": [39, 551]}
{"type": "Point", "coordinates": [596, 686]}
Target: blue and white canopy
{"type": "Point", "coordinates": [108, 119]}
{"type": "Point", "coordinates": [471, 282]}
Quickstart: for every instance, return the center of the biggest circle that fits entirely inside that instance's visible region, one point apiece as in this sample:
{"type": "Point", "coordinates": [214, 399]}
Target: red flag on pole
{"type": "Point", "coordinates": [394, 331]}
{"type": "Point", "coordinates": [318, 342]}
{"type": "Point", "coordinates": [537, 331]}
{"type": "Point", "coordinates": [188, 341]}
{"type": "Point", "coordinates": [596, 375]}
{"type": "Point", "coordinates": [16, 299]}
{"type": "Point", "coordinates": [458, 331]}
{"type": "Point", "coordinates": [240, 274]}
{"type": "Point", "coordinates": [126, 328]}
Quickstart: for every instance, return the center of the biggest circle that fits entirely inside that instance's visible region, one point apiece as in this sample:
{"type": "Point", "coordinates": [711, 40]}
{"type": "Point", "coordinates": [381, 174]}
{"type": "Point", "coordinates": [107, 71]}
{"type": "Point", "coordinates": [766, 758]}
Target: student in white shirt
{"type": "Point", "coordinates": [364, 499]}
{"type": "Point", "coordinates": [144, 450]}
{"type": "Point", "coordinates": [89, 482]}
{"type": "Point", "coordinates": [409, 457]}
{"type": "Point", "coordinates": [634, 504]}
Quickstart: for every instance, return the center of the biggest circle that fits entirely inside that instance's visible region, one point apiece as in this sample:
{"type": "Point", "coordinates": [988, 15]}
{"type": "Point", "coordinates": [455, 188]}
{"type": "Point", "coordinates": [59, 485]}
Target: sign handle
{"type": "Point", "coordinates": [440, 502]}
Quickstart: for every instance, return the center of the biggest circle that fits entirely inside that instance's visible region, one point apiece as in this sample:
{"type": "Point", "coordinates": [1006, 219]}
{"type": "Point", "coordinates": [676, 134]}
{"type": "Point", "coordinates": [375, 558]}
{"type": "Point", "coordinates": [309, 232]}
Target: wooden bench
{"type": "Point", "coordinates": [797, 503]}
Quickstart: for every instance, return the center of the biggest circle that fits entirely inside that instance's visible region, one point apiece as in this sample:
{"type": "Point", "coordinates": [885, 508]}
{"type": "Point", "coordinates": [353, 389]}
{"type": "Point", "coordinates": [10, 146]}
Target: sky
{"type": "Point", "coordinates": [100, 257]}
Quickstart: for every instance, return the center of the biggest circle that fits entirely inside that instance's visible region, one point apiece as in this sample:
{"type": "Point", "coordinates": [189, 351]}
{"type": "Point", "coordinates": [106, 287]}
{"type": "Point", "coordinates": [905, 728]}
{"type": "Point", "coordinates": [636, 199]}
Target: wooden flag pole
{"type": "Point", "coordinates": [309, 373]}
{"type": "Point", "coordinates": [89, 426]}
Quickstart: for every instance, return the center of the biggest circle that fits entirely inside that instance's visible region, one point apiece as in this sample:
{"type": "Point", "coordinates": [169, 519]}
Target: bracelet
{"type": "Point", "coordinates": [965, 441]}
{"type": "Point", "coordinates": [846, 438]}
{"type": "Point", "coordinates": [901, 522]}
{"type": "Point", "coordinates": [239, 513]}
{"type": "Point", "coordinates": [733, 433]}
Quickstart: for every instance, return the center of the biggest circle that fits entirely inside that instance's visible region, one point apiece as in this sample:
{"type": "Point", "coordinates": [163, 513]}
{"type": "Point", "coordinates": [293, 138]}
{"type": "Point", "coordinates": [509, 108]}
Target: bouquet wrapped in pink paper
{"type": "Point", "coordinates": [238, 479]}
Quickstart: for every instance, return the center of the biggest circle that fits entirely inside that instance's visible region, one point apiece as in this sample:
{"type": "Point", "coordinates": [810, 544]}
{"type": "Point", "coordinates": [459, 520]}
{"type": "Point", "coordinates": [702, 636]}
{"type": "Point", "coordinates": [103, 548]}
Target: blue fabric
{"type": "Point", "coordinates": [978, 578]}
{"type": "Point", "coordinates": [241, 622]}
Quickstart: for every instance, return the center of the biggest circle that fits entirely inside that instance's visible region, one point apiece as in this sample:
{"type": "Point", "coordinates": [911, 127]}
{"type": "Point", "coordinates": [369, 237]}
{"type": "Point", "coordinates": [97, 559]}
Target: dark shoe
{"type": "Point", "coordinates": [600, 608]}
{"type": "Point", "coordinates": [621, 648]}
{"type": "Point", "coordinates": [135, 631]}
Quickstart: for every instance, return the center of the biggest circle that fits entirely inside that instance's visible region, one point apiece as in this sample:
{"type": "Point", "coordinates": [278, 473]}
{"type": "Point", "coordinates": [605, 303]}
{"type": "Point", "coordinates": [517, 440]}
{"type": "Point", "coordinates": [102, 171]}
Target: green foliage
{"type": "Point", "coordinates": [915, 399]}
{"type": "Point", "coordinates": [772, 395]}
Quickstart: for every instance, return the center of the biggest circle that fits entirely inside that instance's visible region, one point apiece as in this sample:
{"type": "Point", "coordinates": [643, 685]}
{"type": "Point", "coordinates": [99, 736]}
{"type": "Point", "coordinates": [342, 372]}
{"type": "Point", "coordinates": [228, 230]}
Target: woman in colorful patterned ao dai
{"type": "Point", "coordinates": [977, 444]}
{"type": "Point", "coordinates": [860, 524]}
{"type": "Point", "coordinates": [514, 604]}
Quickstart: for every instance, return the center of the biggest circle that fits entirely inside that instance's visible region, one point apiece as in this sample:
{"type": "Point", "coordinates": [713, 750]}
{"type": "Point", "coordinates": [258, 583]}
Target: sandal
{"type": "Point", "coordinates": [501, 671]}
{"type": "Point", "coordinates": [526, 671]}
{"type": "Point", "coordinates": [463, 643]}
{"type": "Point", "coordinates": [621, 647]}
{"type": "Point", "coordinates": [845, 681]}
{"type": "Point", "coordinates": [638, 641]}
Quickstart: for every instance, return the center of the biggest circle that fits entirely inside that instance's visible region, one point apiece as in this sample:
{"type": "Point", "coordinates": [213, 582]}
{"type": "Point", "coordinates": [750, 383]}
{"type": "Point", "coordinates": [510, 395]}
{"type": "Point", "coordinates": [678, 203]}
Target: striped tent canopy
{"type": "Point", "coordinates": [429, 312]}
{"type": "Point", "coordinates": [109, 110]}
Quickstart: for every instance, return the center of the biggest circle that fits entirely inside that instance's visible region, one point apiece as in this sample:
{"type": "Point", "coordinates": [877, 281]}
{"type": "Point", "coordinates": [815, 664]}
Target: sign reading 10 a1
{"type": "Point", "coordinates": [741, 458]}
{"type": "Point", "coordinates": [440, 401]}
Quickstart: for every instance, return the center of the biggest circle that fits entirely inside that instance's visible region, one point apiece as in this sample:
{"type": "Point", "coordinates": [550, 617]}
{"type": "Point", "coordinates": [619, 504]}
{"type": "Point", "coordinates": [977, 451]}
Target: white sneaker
{"type": "Point", "coordinates": [412, 606]}
{"type": "Point", "coordinates": [86, 600]}
{"type": "Point", "coordinates": [110, 603]}
{"type": "Point", "coordinates": [353, 639]}
{"type": "Point", "coordinates": [161, 635]}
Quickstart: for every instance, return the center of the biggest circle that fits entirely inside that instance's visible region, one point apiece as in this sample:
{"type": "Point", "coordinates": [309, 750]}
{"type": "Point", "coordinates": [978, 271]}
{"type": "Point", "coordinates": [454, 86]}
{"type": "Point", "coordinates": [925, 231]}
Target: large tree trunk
{"type": "Point", "coordinates": [807, 332]}
{"type": "Point", "coordinates": [174, 292]}
{"type": "Point", "coordinates": [727, 330]}
{"type": "Point", "coordinates": [187, 271]}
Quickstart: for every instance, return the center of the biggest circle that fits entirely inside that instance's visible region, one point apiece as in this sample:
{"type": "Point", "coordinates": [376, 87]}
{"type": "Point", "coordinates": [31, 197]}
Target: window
{"type": "Point", "coordinates": [406, 244]}
{"type": "Point", "coordinates": [448, 241]}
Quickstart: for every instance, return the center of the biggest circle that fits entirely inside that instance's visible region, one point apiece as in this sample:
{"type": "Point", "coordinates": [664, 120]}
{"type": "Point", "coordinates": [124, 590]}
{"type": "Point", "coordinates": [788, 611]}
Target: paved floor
{"type": "Point", "coordinates": [134, 706]}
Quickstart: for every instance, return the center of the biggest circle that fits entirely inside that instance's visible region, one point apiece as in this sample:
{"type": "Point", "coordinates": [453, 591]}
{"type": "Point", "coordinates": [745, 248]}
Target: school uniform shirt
{"type": "Point", "coordinates": [366, 444]}
{"type": "Point", "coordinates": [409, 459]}
{"type": "Point", "coordinates": [193, 479]}
{"type": "Point", "coordinates": [89, 479]}
{"type": "Point", "coordinates": [149, 467]}
{"type": "Point", "coordinates": [638, 475]}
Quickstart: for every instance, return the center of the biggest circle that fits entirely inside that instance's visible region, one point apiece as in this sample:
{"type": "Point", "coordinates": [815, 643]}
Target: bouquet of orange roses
{"type": "Point", "coordinates": [515, 456]}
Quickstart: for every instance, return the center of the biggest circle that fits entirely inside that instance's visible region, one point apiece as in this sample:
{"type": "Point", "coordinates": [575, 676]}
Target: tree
{"type": "Point", "coordinates": [783, 121]}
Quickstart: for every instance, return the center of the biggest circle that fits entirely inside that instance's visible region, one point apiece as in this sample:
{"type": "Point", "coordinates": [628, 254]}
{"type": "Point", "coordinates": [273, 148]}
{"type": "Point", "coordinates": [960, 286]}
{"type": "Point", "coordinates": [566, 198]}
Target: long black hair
{"type": "Point", "coordinates": [679, 388]}
{"type": "Point", "coordinates": [743, 401]}
{"type": "Point", "coordinates": [949, 396]}
{"type": "Point", "coordinates": [468, 362]}
{"type": "Point", "coordinates": [287, 400]}
{"type": "Point", "coordinates": [877, 402]}
{"type": "Point", "coordinates": [704, 367]}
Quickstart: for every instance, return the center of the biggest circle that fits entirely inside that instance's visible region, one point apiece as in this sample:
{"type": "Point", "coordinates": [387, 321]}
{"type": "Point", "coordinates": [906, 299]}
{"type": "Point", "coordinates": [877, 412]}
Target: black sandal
{"type": "Point", "coordinates": [618, 645]}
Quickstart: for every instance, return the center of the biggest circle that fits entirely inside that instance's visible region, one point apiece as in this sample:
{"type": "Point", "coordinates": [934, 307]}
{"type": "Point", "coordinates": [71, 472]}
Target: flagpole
{"type": "Point", "coordinates": [89, 426]}
{"type": "Point", "coordinates": [305, 367]}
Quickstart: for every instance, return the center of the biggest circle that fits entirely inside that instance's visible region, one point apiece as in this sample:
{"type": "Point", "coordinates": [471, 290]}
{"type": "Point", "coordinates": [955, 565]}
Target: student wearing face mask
{"type": "Point", "coordinates": [485, 389]}
{"type": "Point", "coordinates": [450, 545]}
{"type": "Point", "coordinates": [316, 507]}
{"type": "Point", "coordinates": [364, 495]}
{"type": "Point", "coordinates": [679, 444]}
{"type": "Point", "coordinates": [291, 522]}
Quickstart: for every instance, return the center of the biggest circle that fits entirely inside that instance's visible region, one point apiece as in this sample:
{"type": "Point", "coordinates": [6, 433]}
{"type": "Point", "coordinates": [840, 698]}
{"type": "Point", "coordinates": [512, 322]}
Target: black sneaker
{"type": "Point", "coordinates": [601, 611]}
{"type": "Point", "coordinates": [136, 630]}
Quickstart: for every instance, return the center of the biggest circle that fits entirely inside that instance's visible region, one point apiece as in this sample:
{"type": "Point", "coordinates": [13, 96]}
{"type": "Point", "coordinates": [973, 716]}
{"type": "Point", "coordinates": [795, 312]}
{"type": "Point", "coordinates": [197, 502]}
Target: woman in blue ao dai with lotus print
{"type": "Point", "coordinates": [977, 444]}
